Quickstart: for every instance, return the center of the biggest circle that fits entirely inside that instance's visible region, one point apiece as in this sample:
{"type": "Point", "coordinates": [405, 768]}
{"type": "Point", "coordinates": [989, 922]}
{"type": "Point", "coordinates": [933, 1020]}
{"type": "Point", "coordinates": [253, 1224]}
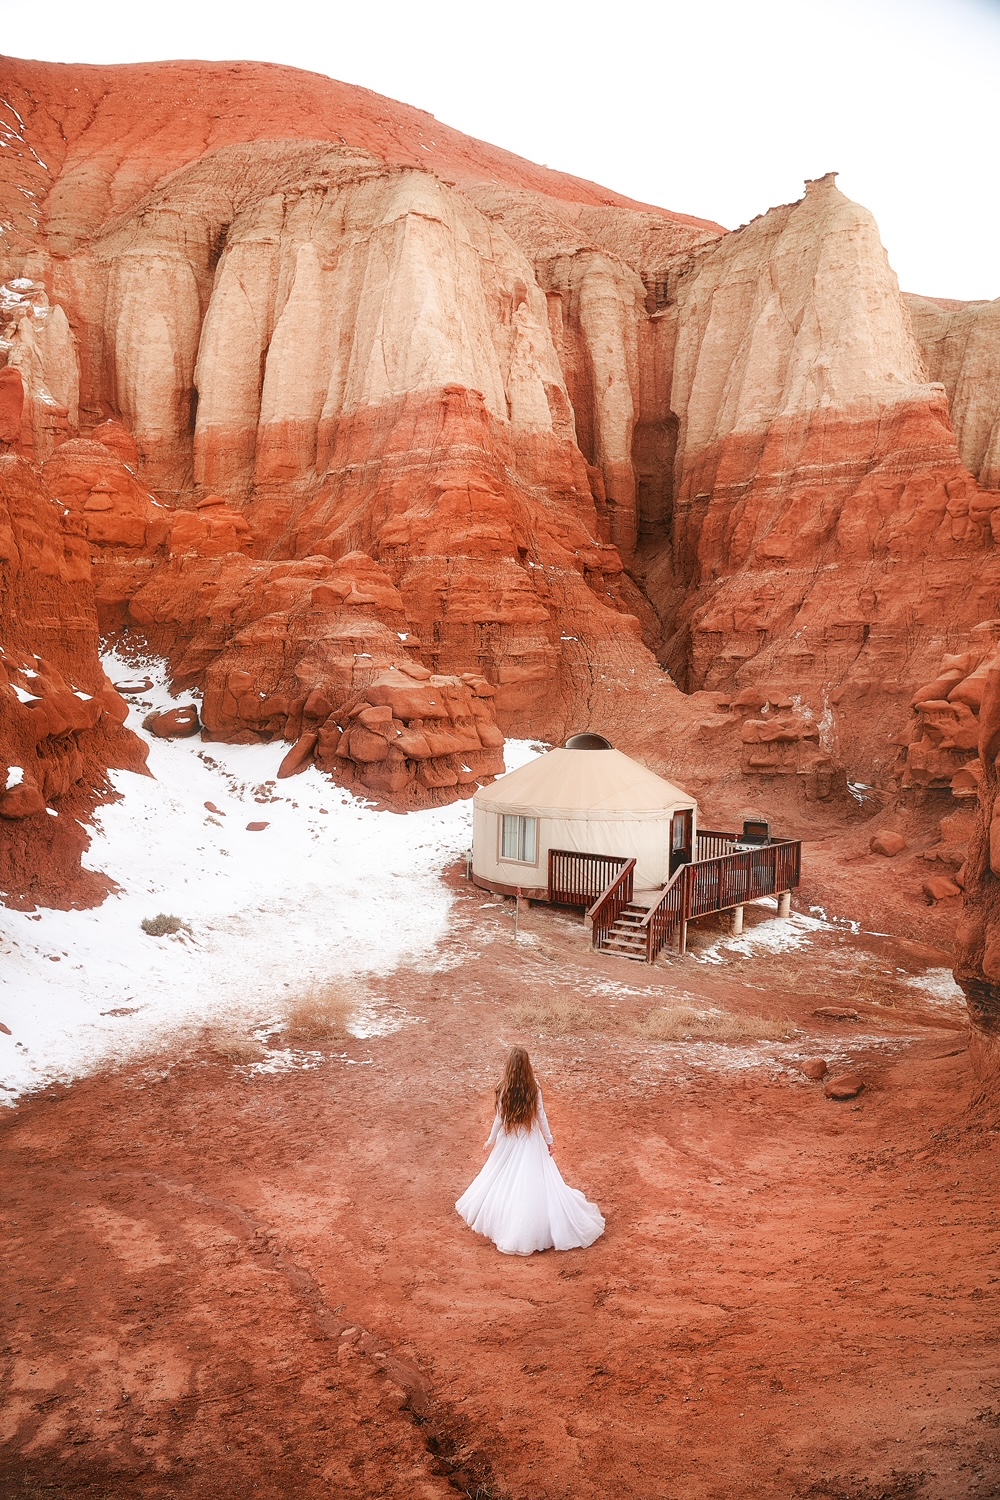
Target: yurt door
{"type": "Point", "coordinates": [681, 827]}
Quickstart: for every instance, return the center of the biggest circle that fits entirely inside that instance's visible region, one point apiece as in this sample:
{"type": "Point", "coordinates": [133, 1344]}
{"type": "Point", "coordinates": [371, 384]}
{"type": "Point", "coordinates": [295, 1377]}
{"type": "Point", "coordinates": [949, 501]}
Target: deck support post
{"type": "Point", "coordinates": [785, 904]}
{"type": "Point", "coordinates": [737, 920]}
{"type": "Point", "coordinates": [684, 938]}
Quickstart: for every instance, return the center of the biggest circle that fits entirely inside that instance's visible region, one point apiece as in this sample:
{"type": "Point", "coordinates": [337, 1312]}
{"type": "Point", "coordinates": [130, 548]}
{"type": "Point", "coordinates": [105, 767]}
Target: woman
{"type": "Point", "coordinates": [519, 1199]}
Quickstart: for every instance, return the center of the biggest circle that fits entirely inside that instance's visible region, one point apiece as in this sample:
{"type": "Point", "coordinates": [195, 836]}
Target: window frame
{"type": "Point", "coordinates": [520, 841]}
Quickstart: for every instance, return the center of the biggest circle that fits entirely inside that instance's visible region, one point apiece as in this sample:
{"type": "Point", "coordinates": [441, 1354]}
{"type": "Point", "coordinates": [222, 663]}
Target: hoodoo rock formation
{"type": "Point", "coordinates": [394, 443]}
{"type": "Point", "coordinates": [826, 539]}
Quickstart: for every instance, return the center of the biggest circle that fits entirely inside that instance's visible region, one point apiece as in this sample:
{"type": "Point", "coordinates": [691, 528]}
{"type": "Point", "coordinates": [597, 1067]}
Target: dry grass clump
{"type": "Point", "coordinates": [680, 1023]}
{"type": "Point", "coordinates": [162, 925]}
{"type": "Point", "coordinates": [321, 1015]}
{"type": "Point", "coordinates": [563, 1017]}
{"type": "Point", "coordinates": [237, 1048]}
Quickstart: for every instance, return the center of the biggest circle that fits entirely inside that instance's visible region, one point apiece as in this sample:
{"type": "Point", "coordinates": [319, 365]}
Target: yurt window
{"type": "Point", "coordinates": [519, 838]}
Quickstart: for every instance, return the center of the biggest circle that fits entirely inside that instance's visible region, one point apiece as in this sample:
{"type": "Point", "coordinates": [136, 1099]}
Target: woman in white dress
{"type": "Point", "coordinates": [519, 1200]}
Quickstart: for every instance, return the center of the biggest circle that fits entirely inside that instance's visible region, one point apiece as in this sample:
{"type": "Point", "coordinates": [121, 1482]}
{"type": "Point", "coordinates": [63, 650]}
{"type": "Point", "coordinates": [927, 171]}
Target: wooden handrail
{"type": "Point", "coordinates": [577, 878]}
{"type": "Point", "coordinates": [612, 902]}
{"type": "Point", "coordinates": [709, 843]}
{"type": "Point", "coordinates": [706, 838]}
{"type": "Point", "coordinates": [718, 884]}
{"type": "Point", "coordinates": [665, 914]}
{"type": "Point", "coordinates": [711, 883]}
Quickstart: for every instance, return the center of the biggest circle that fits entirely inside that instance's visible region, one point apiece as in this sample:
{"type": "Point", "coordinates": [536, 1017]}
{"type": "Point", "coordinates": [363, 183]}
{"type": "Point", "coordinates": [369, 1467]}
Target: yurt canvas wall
{"type": "Point", "coordinates": [586, 801]}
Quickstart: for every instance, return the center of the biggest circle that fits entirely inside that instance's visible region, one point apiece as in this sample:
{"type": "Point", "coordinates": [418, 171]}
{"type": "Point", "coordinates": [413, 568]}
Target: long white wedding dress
{"type": "Point", "coordinates": [520, 1201]}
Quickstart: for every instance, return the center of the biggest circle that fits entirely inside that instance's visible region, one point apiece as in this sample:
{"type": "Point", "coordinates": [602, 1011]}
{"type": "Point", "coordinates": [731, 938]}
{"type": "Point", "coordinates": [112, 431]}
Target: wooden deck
{"type": "Point", "coordinates": [719, 878]}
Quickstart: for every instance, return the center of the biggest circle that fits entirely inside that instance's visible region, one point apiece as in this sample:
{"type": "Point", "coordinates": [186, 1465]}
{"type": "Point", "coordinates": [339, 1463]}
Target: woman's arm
{"type": "Point", "coordinates": [543, 1123]}
{"type": "Point", "coordinates": [493, 1133]}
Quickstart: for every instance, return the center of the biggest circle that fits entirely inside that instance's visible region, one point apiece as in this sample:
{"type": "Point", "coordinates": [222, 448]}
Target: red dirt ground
{"type": "Point", "coordinates": [221, 1284]}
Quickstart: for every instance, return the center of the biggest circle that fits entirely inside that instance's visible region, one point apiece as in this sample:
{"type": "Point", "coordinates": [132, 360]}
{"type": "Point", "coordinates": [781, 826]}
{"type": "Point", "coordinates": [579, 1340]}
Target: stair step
{"type": "Point", "coordinates": [623, 947]}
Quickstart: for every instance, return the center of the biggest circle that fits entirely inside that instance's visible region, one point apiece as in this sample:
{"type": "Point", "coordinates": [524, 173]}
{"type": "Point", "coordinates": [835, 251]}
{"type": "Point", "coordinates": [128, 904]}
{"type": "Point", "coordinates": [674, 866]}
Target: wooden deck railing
{"type": "Point", "coordinates": [715, 883]}
{"type": "Point", "coordinates": [709, 844]}
{"type": "Point", "coordinates": [578, 879]}
{"type": "Point", "coordinates": [612, 902]}
{"type": "Point", "coordinates": [733, 879]}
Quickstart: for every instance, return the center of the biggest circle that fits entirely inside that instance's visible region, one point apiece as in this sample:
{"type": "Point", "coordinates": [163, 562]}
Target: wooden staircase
{"type": "Point", "coordinates": [626, 936]}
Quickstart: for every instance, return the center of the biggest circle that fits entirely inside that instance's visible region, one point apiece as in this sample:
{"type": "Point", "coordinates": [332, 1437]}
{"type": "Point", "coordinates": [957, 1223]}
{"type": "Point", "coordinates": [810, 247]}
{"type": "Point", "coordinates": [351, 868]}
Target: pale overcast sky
{"type": "Point", "coordinates": [712, 107]}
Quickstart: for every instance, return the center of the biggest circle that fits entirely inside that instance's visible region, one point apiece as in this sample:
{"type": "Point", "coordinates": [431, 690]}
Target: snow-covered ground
{"type": "Point", "coordinates": [777, 935]}
{"type": "Point", "coordinates": [938, 988]}
{"type": "Point", "coordinates": [330, 889]}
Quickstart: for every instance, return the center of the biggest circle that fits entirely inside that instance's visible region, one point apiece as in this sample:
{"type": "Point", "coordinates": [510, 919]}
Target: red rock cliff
{"type": "Point", "coordinates": [334, 392]}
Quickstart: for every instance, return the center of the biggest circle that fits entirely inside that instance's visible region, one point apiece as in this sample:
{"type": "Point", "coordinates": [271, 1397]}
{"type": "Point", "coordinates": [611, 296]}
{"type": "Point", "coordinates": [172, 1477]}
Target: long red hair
{"type": "Point", "coordinates": [517, 1092]}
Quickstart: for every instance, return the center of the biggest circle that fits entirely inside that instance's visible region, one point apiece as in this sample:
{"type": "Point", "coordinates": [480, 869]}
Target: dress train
{"type": "Point", "coordinates": [520, 1201]}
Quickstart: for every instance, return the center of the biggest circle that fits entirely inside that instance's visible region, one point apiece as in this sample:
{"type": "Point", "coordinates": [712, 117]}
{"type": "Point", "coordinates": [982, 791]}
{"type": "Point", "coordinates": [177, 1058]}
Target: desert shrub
{"type": "Point", "coordinates": [681, 1023]}
{"type": "Point", "coordinates": [237, 1048]}
{"type": "Point", "coordinates": [161, 925]}
{"type": "Point", "coordinates": [563, 1016]}
{"type": "Point", "coordinates": [321, 1015]}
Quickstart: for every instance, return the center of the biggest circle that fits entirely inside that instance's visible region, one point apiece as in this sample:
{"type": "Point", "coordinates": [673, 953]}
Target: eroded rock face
{"type": "Point", "coordinates": [977, 945]}
{"type": "Point", "coordinates": [960, 343]}
{"type": "Point", "coordinates": [415, 737]}
{"type": "Point", "coordinates": [940, 745]}
{"type": "Point", "coordinates": [330, 392]}
{"type": "Point", "coordinates": [823, 523]}
{"type": "Point", "coordinates": [353, 355]}
{"type": "Point", "coordinates": [37, 342]}
{"type": "Point", "coordinates": [60, 719]}
{"type": "Point", "coordinates": [378, 369]}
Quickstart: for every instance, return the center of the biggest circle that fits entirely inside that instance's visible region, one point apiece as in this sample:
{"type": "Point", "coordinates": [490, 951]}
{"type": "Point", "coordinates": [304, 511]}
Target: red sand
{"type": "Point", "coordinates": [223, 1286]}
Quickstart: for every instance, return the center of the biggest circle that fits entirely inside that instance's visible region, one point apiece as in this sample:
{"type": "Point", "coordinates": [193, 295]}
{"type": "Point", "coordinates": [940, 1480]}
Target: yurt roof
{"type": "Point", "coordinates": [573, 783]}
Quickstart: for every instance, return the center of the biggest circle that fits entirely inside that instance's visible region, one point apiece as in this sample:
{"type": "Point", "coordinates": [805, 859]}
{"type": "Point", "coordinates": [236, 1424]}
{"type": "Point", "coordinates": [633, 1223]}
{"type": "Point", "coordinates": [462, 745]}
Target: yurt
{"type": "Point", "coordinates": [585, 799]}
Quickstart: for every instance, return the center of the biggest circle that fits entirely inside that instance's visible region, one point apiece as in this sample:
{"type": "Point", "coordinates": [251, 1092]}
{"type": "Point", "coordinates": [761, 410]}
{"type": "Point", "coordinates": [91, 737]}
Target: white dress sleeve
{"type": "Point", "coordinates": [543, 1123]}
{"type": "Point", "coordinates": [495, 1131]}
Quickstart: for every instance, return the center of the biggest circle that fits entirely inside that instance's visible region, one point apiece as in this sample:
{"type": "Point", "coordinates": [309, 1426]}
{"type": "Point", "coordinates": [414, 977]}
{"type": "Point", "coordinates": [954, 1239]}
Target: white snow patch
{"type": "Point", "coordinates": [939, 989]}
{"type": "Point", "coordinates": [14, 777]}
{"type": "Point", "coordinates": [23, 696]}
{"type": "Point", "coordinates": [331, 889]}
{"type": "Point", "coordinates": [285, 1060]}
{"type": "Point", "coordinates": [779, 935]}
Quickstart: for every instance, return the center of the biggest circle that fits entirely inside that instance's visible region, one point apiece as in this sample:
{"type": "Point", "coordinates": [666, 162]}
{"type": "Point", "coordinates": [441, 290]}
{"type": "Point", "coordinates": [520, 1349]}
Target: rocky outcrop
{"type": "Point", "coordinates": [977, 947]}
{"type": "Point", "coordinates": [822, 524]}
{"type": "Point", "coordinates": [355, 357]}
{"type": "Point", "coordinates": [61, 722]}
{"type": "Point", "coordinates": [940, 744]}
{"type": "Point", "coordinates": [38, 343]}
{"type": "Point", "coordinates": [414, 738]}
